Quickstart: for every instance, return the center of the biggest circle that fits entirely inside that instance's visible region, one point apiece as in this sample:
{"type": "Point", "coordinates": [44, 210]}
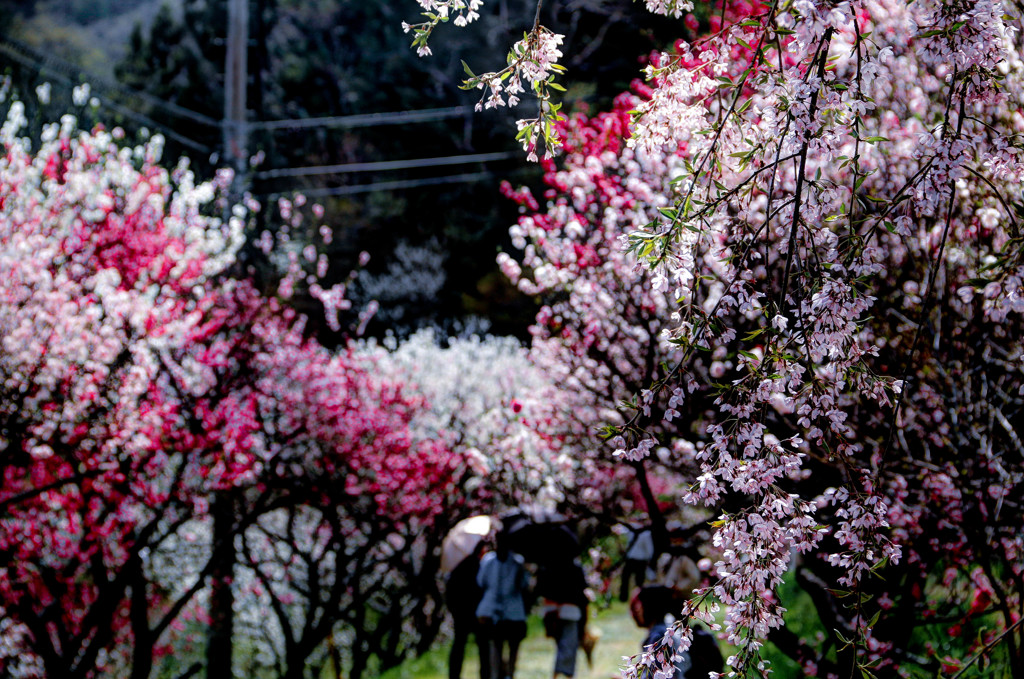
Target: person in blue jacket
{"type": "Point", "coordinates": [502, 609]}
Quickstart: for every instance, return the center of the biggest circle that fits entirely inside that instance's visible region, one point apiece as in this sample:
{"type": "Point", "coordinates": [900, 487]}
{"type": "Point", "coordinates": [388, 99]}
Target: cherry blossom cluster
{"type": "Point", "coordinates": [534, 59]}
{"type": "Point", "coordinates": [835, 208]}
{"type": "Point", "coordinates": [459, 12]}
{"type": "Point", "coordinates": [673, 8]}
{"type": "Point", "coordinates": [820, 163]}
{"type": "Point", "coordinates": [531, 62]}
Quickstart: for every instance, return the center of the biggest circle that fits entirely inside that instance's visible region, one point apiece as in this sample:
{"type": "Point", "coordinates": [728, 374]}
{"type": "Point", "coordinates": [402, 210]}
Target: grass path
{"type": "Point", "coordinates": [619, 637]}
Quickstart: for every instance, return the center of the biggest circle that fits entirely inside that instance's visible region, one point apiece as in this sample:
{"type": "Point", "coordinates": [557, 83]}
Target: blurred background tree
{"type": "Point", "coordinates": [340, 109]}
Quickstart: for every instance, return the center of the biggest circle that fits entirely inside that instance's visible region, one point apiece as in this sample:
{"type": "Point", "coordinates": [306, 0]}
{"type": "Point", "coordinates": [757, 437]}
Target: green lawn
{"type": "Point", "coordinates": [620, 637]}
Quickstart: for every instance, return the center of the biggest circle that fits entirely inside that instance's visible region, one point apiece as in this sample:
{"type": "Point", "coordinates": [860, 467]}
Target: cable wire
{"type": "Point", "coordinates": [17, 49]}
{"type": "Point", "coordinates": [395, 185]}
{"type": "Point", "coordinates": [44, 69]}
{"type": "Point", "coordinates": [365, 119]}
{"type": "Point", "coordinates": [378, 166]}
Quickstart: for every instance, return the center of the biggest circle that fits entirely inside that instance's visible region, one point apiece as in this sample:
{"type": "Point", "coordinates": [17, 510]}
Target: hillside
{"type": "Point", "coordinates": [91, 33]}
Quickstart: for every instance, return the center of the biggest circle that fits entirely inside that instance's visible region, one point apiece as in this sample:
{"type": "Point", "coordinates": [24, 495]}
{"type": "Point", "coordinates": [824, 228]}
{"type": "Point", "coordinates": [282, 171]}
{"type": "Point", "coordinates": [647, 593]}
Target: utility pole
{"type": "Point", "coordinates": [223, 506]}
{"type": "Point", "coordinates": [236, 76]}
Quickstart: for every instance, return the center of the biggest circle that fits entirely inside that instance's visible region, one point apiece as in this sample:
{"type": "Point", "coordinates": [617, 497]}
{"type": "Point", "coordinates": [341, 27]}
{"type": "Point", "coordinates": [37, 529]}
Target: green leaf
{"type": "Point", "coordinates": [468, 70]}
{"type": "Point", "coordinates": [874, 618]}
{"type": "Point", "coordinates": [752, 335]}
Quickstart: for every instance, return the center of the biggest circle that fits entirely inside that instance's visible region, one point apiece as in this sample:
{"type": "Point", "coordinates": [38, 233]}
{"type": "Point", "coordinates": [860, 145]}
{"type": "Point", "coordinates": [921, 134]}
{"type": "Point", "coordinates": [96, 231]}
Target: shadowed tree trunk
{"type": "Point", "coordinates": [222, 597]}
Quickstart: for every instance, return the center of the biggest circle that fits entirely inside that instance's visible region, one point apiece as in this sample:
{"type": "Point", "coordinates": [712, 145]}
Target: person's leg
{"type": "Point", "coordinates": [566, 646]}
{"type": "Point", "coordinates": [497, 648]}
{"type": "Point", "coordinates": [516, 633]}
{"type": "Point", "coordinates": [485, 641]}
{"type": "Point", "coordinates": [632, 570]}
{"type": "Point", "coordinates": [500, 662]}
{"type": "Point", "coordinates": [483, 647]}
{"type": "Point", "coordinates": [458, 652]}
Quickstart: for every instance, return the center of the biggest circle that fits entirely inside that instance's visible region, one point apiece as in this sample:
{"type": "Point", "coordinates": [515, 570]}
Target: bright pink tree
{"type": "Point", "coordinates": [104, 263]}
{"type": "Point", "coordinates": [338, 500]}
{"type": "Point", "coordinates": [141, 385]}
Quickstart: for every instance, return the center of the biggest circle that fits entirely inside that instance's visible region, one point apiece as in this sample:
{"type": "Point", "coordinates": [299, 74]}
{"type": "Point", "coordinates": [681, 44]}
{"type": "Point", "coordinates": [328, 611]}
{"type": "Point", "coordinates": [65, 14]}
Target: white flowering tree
{"type": "Point", "coordinates": [838, 223]}
{"type": "Point", "coordinates": [507, 415]}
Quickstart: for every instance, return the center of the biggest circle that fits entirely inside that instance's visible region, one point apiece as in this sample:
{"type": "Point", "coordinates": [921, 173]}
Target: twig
{"type": "Point", "coordinates": [988, 647]}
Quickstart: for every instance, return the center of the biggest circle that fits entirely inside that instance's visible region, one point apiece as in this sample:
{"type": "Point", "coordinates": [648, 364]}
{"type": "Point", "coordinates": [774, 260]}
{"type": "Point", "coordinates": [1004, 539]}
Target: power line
{"type": "Point", "coordinates": [71, 74]}
{"type": "Point", "coordinates": [386, 186]}
{"type": "Point", "coordinates": [20, 51]}
{"type": "Point", "coordinates": [383, 165]}
{"type": "Point", "coordinates": [366, 119]}
{"type": "Point", "coordinates": [16, 48]}
{"type": "Point", "coordinates": [140, 118]}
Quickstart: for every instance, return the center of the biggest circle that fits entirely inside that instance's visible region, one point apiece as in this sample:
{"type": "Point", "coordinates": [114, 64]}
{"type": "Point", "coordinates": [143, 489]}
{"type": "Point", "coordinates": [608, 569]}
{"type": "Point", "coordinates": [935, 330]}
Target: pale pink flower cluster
{"type": "Point", "coordinates": [459, 12]}
{"type": "Point", "coordinates": [835, 228]}
{"type": "Point", "coordinates": [830, 138]}
{"type": "Point", "coordinates": [534, 59]}
{"type": "Point", "coordinates": [488, 399]}
{"type": "Point", "coordinates": [538, 55]}
{"type": "Point", "coordinates": [861, 531]}
{"type": "Point", "coordinates": [673, 8]}
{"type": "Point", "coordinates": [676, 111]}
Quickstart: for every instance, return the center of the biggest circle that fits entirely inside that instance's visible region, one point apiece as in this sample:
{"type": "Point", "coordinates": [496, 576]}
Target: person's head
{"type": "Point", "coordinates": [501, 544]}
{"type": "Point", "coordinates": [654, 603]}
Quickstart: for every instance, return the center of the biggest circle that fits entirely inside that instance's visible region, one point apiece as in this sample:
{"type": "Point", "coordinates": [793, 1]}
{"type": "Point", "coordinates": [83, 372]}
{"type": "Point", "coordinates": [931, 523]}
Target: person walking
{"type": "Point", "coordinates": [562, 587]}
{"type": "Point", "coordinates": [639, 554]}
{"type": "Point", "coordinates": [502, 611]}
{"type": "Point", "coordinates": [462, 595]}
{"type": "Point", "coordinates": [655, 608]}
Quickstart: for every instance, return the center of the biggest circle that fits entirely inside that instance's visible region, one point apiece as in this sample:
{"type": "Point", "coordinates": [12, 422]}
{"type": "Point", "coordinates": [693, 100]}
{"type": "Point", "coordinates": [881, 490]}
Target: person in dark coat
{"type": "Point", "coordinates": [655, 608]}
{"type": "Point", "coordinates": [562, 587]}
{"type": "Point", "coordinates": [462, 595]}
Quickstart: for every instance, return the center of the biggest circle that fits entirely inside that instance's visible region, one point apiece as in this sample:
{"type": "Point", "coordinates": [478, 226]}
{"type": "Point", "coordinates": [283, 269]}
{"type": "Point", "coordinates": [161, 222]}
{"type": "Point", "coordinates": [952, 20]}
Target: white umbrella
{"type": "Point", "coordinates": [463, 539]}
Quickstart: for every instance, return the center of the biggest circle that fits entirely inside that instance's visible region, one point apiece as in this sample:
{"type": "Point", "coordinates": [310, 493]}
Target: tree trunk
{"type": "Point", "coordinates": [222, 597]}
{"type": "Point", "coordinates": [142, 636]}
{"type": "Point", "coordinates": [659, 532]}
